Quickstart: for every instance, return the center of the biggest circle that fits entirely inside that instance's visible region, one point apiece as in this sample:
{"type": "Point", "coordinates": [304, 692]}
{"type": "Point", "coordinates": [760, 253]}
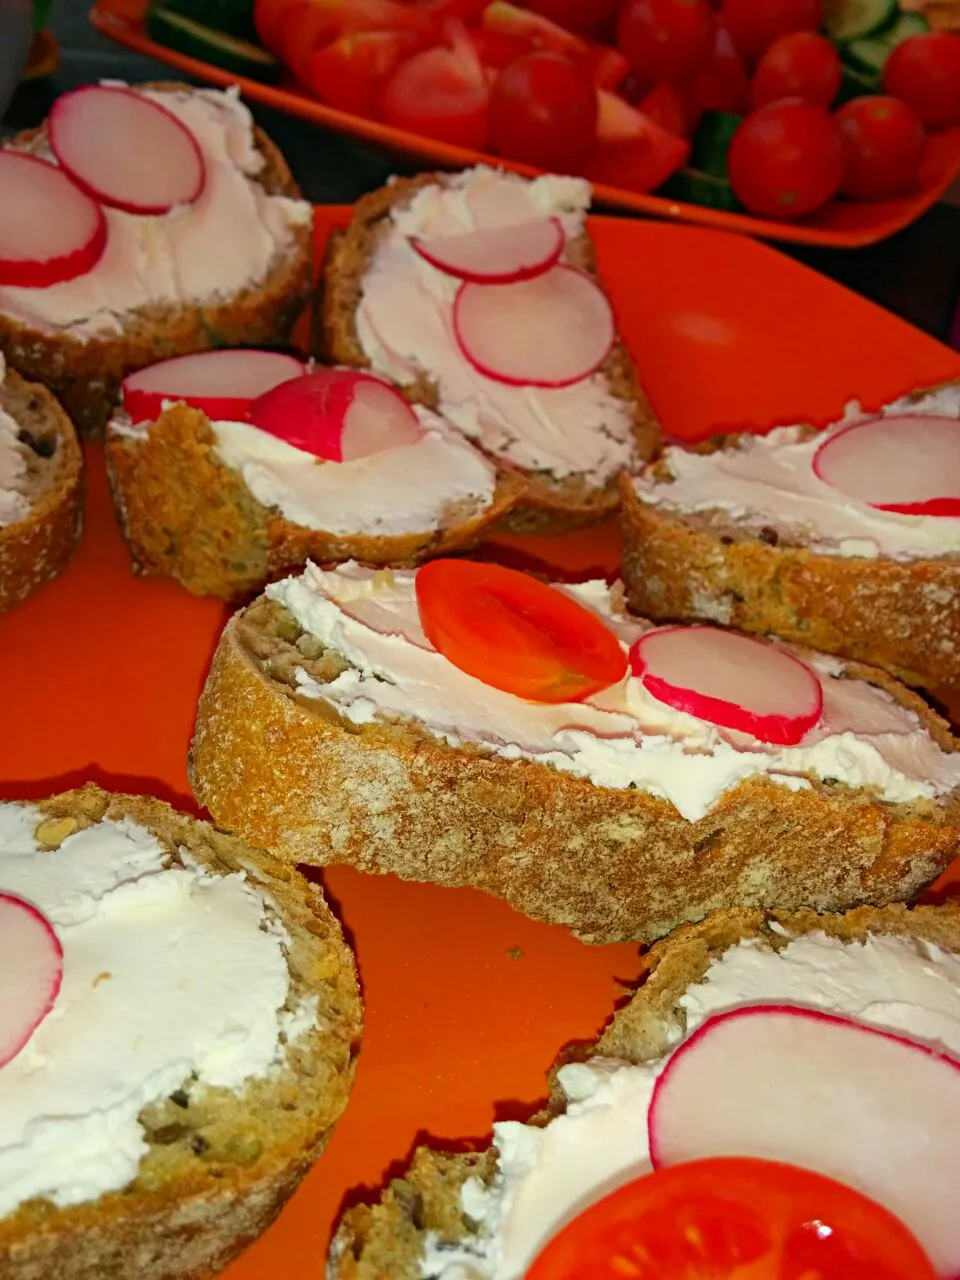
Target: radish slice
{"type": "Point", "coordinates": [869, 1108]}
{"type": "Point", "coordinates": [908, 463]}
{"type": "Point", "coordinates": [550, 331]}
{"type": "Point", "coordinates": [337, 415]}
{"type": "Point", "coordinates": [223, 384]}
{"type": "Point", "coordinates": [126, 150]}
{"type": "Point", "coordinates": [496, 255]}
{"type": "Point", "coordinates": [50, 230]}
{"type": "Point", "coordinates": [31, 970]}
{"type": "Point", "coordinates": [730, 680]}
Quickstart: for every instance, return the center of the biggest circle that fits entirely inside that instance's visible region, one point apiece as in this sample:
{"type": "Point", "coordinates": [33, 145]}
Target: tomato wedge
{"type": "Point", "coordinates": [733, 1219]}
{"type": "Point", "coordinates": [516, 633]}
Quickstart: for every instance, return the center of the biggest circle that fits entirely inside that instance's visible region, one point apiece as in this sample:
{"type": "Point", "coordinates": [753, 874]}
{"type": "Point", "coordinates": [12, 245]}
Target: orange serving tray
{"type": "Point", "coordinates": [843, 225]}
{"type": "Point", "coordinates": [467, 1001]}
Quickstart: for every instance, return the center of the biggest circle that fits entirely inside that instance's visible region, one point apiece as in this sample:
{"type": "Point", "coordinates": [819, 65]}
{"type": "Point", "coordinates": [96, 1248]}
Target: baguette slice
{"type": "Point", "coordinates": [219, 1165]}
{"type": "Point", "coordinates": [552, 504]}
{"type": "Point", "coordinates": [290, 774]}
{"type": "Point", "coordinates": [86, 372]}
{"type": "Point", "coordinates": [185, 514]}
{"type": "Point", "coordinates": [386, 1240]}
{"type": "Point", "coordinates": [902, 615]}
{"type": "Point", "coordinates": [37, 548]}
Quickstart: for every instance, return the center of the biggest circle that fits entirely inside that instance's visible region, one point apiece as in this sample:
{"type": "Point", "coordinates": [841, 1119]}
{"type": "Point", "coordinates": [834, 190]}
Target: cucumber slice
{"type": "Point", "coordinates": [847, 20]}
{"type": "Point", "coordinates": [705, 181]}
{"type": "Point", "coordinates": [232, 17]}
{"type": "Point", "coordinates": [230, 53]}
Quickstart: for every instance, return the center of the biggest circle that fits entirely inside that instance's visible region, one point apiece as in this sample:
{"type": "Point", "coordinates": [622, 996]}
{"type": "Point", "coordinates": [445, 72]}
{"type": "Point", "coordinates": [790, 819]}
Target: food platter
{"type": "Point", "coordinates": [467, 1002]}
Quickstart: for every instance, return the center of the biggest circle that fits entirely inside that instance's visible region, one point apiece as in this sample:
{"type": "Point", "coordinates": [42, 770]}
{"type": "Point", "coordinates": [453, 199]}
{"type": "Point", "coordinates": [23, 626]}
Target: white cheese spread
{"type": "Point", "coordinates": [14, 505]}
{"type": "Point", "coordinates": [769, 481]}
{"type": "Point", "coordinates": [621, 737]}
{"type": "Point", "coordinates": [168, 972]}
{"type": "Point", "coordinates": [226, 241]}
{"type": "Point", "coordinates": [405, 327]}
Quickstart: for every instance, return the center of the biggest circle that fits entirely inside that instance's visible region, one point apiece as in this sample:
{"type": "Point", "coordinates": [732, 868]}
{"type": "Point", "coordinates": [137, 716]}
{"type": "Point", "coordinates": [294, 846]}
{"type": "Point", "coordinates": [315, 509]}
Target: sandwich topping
{"type": "Point", "coordinates": [14, 505]}
{"type": "Point", "coordinates": [511, 338]}
{"type": "Point", "coordinates": [624, 735]}
{"type": "Point", "coordinates": [890, 488]}
{"type": "Point", "coordinates": [167, 977]}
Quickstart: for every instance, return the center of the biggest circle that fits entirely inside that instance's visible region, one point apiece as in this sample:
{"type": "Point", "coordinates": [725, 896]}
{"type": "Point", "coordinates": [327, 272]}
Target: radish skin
{"type": "Point", "coordinates": [31, 972]}
{"type": "Point", "coordinates": [223, 384]}
{"type": "Point", "coordinates": [496, 255]}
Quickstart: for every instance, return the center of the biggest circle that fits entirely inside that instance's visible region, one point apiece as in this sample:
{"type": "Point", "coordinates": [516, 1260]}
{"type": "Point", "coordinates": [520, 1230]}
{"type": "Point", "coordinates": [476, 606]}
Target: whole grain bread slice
{"type": "Point", "coordinates": [903, 615]}
{"type": "Point", "coordinates": [86, 371]}
{"type": "Point", "coordinates": [385, 1240]}
{"type": "Point", "coordinates": [38, 547]}
{"type": "Point", "coordinates": [185, 514]}
{"type": "Point", "coordinates": [287, 772]}
{"type": "Point", "coordinates": [552, 504]}
{"type": "Point", "coordinates": [219, 1165]}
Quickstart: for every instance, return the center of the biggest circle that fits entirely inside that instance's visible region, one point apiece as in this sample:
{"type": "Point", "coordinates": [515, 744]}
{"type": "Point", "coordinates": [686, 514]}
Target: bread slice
{"type": "Point", "coordinates": [552, 504]}
{"type": "Point", "coordinates": [219, 1164]}
{"type": "Point", "coordinates": [386, 1240]}
{"type": "Point", "coordinates": [37, 548]}
{"type": "Point", "coordinates": [86, 371]}
{"type": "Point", "coordinates": [186, 514]}
{"type": "Point", "coordinates": [903, 615]}
{"type": "Point", "coordinates": [290, 774]}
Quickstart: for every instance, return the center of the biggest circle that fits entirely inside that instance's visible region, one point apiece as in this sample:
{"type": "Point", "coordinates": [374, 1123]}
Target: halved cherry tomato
{"type": "Point", "coordinates": [664, 104]}
{"type": "Point", "coordinates": [348, 73]}
{"type": "Point", "coordinates": [786, 159]}
{"type": "Point", "coordinates": [924, 72]}
{"type": "Point", "coordinates": [663, 39]}
{"type": "Point", "coordinates": [583, 16]}
{"type": "Point", "coordinates": [511, 20]}
{"type": "Point", "coordinates": [755, 24]}
{"type": "Point", "coordinates": [610, 67]}
{"type": "Point", "coordinates": [441, 93]}
{"type": "Point", "coordinates": [731, 1218]}
{"type": "Point", "coordinates": [722, 84]}
{"type": "Point", "coordinates": [496, 50]}
{"type": "Point", "coordinates": [884, 140]}
{"type": "Point", "coordinates": [267, 15]}
{"type": "Point", "coordinates": [642, 162]}
{"type": "Point", "coordinates": [543, 111]}
{"type": "Point", "coordinates": [802, 65]}
{"type": "Point", "coordinates": [440, 11]}
{"type": "Point", "coordinates": [515, 633]}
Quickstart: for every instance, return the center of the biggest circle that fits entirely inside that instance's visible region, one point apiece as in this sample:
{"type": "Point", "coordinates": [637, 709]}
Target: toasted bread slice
{"type": "Point", "coordinates": [386, 1240]}
{"type": "Point", "coordinates": [85, 371]}
{"type": "Point", "coordinates": [186, 514]}
{"type": "Point", "coordinates": [552, 504]}
{"type": "Point", "coordinates": [289, 773]}
{"type": "Point", "coordinates": [37, 547]}
{"type": "Point", "coordinates": [219, 1164]}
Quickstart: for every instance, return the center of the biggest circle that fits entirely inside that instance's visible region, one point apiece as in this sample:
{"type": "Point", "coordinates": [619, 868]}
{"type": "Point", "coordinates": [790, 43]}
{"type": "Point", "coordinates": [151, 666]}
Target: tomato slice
{"type": "Point", "coordinates": [733, 1219]}
{"type": "Point", "coordinates": [641, 163]}
{"type": "Point", "coordinates": [516, 633]}
{"type": "Point", "coordinates": [441, 93]}
{"type": "Point", "coordinates": [348, 73]}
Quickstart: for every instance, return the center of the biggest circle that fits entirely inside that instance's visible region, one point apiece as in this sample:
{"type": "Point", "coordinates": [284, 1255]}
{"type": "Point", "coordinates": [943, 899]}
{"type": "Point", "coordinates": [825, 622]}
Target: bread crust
{"type": "Point", "coordinates": [550, 505]}
{"type": "Point", "coordinates": [612, 865]}
{"type": "Point", "coordinates": [85, 373]}
{"type": "Point", "coordinates": [426, 1199]}
{"type": "Point", "coordinates": [201, 1197]}
{"type": "Point", "coordinates": [38, 548]}
{"type": "Point", "coordinates": [900, 615]}
{"type": "Point", "coordinates": [186, 514]}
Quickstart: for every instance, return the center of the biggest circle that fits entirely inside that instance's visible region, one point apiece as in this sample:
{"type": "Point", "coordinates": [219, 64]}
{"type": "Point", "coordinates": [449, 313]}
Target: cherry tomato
{"type": "Point", "coordinates": [883, 138]}
{"type": "Point", "coordinates": [662, 39]}
{"type": "Point", "coordinates": [802, 65]}
{"type": "Point", "coordinates": [495, 49]}
{"type": "Point", "coordinates": [731, 1217]}
{"type": "Point", "coordinates": [267, 16]}
{"type": "Point", "coordinates": [786, 159]}
{"type": "Point", "coordinates": [610, 67]}
{"type": "Point", "coordinates": [347, 74]}
{"type": "Point", "coordinates": [440, 93]}
{"type": "Point", "coordinates": [510, 20]}
{"type": "Point", "coordinates": [516, 633]}
{"type": "Point", "coordinates": [755, 24]}
{"type": "Point", "coordinates": [721, 85]}
{"type": "Point", "coordinates": [664, 104]}
{"type": "Point", "coordinates": [543, 111]}
{"type": "Point", "coordinates": [584, 16]}
{"type": "Point", "coordinates": [924, 72]}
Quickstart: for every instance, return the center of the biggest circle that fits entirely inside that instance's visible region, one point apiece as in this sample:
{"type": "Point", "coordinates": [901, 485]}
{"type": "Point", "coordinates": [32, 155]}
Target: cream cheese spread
{"type": "Point", "coordinates": [621, 737]}
{"type": "Point", "coordinates": [226, 241]}
{"type": "Point", "coordinates": [169, 973]}
{"type": "Point", "coordinates": [769, 481]}
{"type": "Point", "coordinates": [405, 327]}
{"type": "Point", "coordinates": [14, 504]}
{"type": "Point", "coordinates": [546, 1176]}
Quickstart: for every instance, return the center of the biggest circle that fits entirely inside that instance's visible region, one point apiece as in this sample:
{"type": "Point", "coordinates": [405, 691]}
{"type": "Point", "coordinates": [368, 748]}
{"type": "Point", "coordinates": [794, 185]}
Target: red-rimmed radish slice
{"type": "Point", "coordinates": [31, 970]}
{"type": "Point", "coordinates": [551, 331]}
{"type": "Point", "coordinates": [223, 384]}
{"type": "Point", "coordinates": [496, 255]}
{"type": "Point", "coordinates": [50, 230]}
{"type": "Point", "coordinates": [908, 463]}
{"type": "Point", "coordinates": [338, 415]}
{"type": "Point", "coordinates": [869, 1108]}
{"type": "Point", "coordinates": [126, 150]}
{"type": "Point", "coordinates": [730, 680]}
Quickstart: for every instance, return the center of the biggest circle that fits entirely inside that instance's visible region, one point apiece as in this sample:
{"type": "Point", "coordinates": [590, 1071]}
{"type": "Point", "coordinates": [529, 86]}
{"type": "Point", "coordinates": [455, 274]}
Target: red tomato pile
{"type": "Point", "coordinates": [734, 100]}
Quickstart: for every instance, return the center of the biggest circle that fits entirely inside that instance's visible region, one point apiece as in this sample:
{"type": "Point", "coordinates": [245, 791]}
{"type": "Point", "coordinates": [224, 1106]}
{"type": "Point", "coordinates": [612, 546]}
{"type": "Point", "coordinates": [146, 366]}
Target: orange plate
{"type": "Point", "coordinates": [467, 1002]}
{"type": "Point", "coordinates": [844, 225]}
